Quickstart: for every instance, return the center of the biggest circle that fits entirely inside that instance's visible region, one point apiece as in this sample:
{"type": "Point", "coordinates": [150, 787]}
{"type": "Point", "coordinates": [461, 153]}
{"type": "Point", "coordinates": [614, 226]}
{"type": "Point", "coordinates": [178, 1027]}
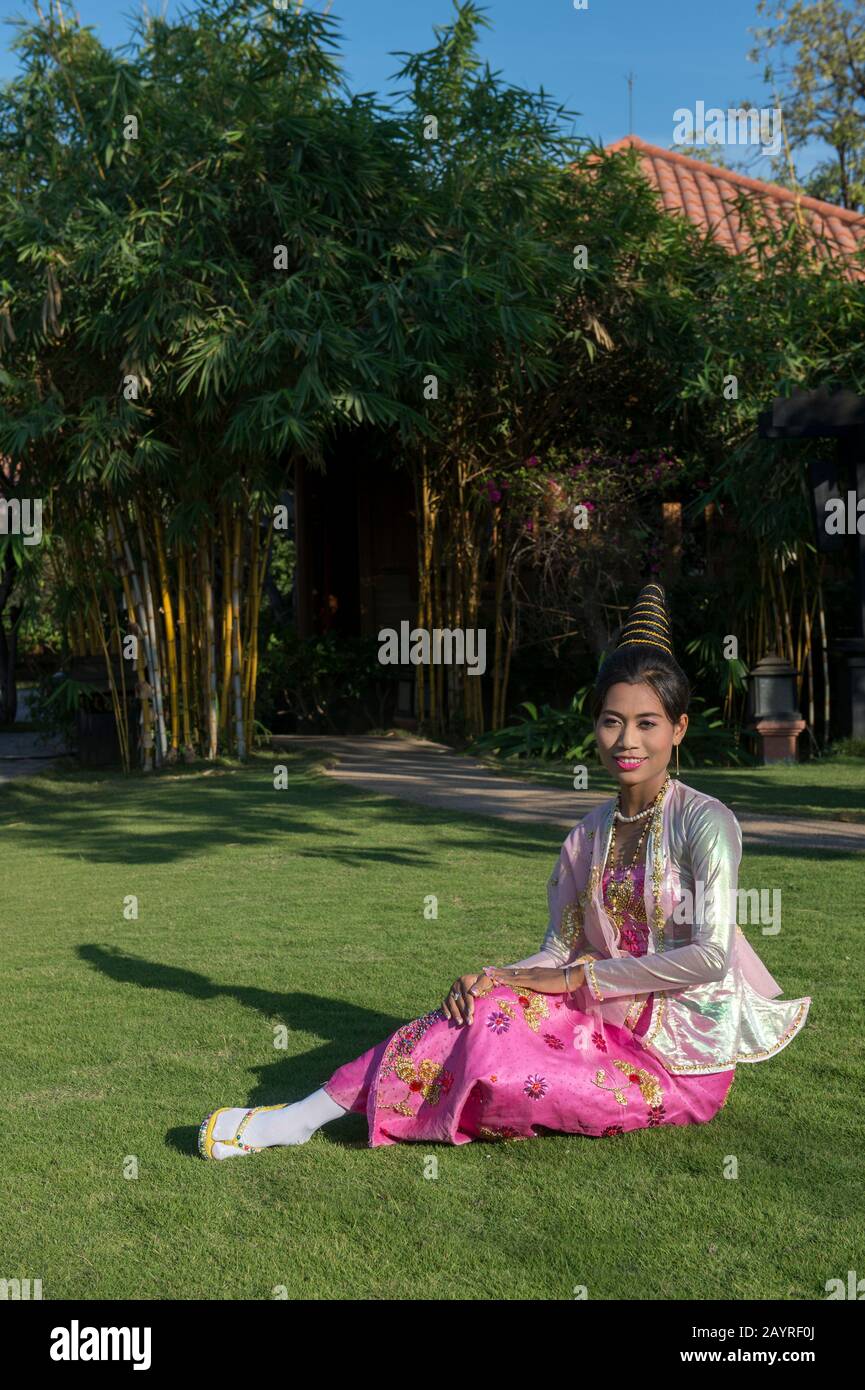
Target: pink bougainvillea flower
{"type": "Point", "coordinates": [532, 462]}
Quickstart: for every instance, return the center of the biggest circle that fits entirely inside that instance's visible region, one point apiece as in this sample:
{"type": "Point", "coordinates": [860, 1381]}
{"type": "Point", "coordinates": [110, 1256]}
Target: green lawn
{"type": "Point", "coordinates": [831, 788]}
{"type": "Point", "coordinates": [304, 906]}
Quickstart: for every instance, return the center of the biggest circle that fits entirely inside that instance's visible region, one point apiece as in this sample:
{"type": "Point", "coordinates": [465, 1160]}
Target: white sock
{"type": "Point", "coordinates": [291, 1124]}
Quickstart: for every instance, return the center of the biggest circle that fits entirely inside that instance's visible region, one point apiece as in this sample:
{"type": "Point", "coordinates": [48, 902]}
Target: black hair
{"type": "Point", "coordinates": [642, 664]}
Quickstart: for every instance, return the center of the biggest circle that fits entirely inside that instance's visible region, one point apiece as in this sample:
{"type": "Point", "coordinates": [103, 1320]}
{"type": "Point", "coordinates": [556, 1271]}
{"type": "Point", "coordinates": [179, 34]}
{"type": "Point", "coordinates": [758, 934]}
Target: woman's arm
{"type": "Point", "coordinates": [715, 843]}
{"type": "Point", "coordinates": [541, 979]}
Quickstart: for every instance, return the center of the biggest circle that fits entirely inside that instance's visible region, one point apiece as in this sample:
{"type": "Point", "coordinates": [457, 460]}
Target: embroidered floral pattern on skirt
{"type": "Point", "coordinates": [485, 1082]}
{"type": "Point", "coordinates": [529, 1062]}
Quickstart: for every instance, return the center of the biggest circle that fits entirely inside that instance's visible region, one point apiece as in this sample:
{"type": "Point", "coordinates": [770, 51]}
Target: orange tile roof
{"type": "Point", "coordinates": [707, 193]}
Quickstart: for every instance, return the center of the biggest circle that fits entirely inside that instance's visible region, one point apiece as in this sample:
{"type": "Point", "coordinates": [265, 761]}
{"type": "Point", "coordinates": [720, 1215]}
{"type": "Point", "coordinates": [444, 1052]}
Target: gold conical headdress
{"type": "Point", "coordinates": [647, 621]}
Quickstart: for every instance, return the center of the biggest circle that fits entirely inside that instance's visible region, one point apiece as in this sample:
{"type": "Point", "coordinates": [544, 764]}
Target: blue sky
{"type": "Point", "coordinates": [679, 53]}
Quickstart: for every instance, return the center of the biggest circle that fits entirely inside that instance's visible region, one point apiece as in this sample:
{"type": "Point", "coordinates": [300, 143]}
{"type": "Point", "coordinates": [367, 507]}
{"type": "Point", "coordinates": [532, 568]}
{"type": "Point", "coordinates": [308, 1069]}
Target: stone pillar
{"type": "Point", "coordinates": [778, 739]}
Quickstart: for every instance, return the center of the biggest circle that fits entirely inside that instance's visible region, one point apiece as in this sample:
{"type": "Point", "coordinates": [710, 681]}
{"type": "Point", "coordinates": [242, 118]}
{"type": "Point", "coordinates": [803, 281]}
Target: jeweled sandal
{"type": "Point", "coordinates": [206, 1140]}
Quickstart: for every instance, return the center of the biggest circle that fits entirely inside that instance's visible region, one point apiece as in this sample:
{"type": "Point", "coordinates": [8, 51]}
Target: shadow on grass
{"type": "Point", "coordinates": [108, 819]}
{"type": "Point", "coordinates": [286, 1078]}
{"type": "Point", "coordinates": [797, 854]}
{"type": "Point", "coordinates": [188, 813]}
{"type": "Point", "coordinates": [760, 791]}
{"type": "Point", "coordinates": [835, 786]}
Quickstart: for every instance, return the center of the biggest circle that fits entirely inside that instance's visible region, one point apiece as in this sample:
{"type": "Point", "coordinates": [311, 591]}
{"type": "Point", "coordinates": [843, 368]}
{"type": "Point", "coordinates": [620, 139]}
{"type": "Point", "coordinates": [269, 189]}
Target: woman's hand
{"type": "Point", "coordinates": [460, 1003]}
{"type": "Point", "coordinates": [541, 978]}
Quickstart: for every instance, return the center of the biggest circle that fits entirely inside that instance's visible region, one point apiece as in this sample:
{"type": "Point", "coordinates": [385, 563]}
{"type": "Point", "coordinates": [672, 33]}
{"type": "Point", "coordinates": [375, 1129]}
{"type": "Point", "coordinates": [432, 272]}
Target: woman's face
{"type": "Point", "coordinates": [635, 736]}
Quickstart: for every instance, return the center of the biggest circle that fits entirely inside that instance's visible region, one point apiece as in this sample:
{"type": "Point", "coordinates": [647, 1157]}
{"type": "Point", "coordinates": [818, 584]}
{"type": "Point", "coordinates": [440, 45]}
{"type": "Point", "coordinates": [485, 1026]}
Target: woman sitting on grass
{"type": "Point", "coordinates": [644, 997]}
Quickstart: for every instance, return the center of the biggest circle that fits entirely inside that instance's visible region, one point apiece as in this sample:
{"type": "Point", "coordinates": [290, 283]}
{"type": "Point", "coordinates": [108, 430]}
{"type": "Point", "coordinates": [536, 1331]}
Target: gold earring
{"type": "Point", "coordinates": [677, 759]}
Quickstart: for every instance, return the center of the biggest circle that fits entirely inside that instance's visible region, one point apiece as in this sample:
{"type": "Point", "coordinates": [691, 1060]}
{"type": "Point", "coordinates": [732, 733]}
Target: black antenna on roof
{"type": "Point", "coordinates": [630, 81]}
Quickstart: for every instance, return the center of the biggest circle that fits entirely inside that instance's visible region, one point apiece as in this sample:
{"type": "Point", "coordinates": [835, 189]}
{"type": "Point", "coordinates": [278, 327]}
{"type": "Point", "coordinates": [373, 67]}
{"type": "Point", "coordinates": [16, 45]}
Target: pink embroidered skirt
{"type": "Point", "coordinates": [528, 1063]}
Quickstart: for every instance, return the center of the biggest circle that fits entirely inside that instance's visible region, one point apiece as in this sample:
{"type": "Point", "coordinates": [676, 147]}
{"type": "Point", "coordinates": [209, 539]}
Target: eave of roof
{"type": "Point", "coordinates": [707, 193]}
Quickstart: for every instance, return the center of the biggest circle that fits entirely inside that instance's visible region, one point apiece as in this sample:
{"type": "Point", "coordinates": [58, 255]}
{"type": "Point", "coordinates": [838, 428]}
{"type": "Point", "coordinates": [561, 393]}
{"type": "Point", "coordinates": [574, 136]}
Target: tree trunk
{"type": "Point", "coordinates": [211, 698]}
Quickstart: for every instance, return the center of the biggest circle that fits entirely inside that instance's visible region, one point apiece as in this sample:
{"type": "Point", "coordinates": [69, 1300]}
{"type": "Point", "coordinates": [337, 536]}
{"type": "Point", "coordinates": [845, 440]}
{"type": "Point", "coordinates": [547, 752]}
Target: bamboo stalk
{"type": "Point", "coordinates": [262, 574]}
{"type": "Point", "coordinates": [433, 696]}
{"type": "Point", "coordinates": [247, 603]}
{"type": "Point", "coordinates": [183, 635]}
{"type": "Point", "coordinates": [145, 694]}
{"type": "Point", "coordinates": [250, 663]}
{"type": "Point", "coordinates": [419, 479]}
{"type": "Point", "coordinates": [508, 651]}
{"type": "Point", "coordinates": [249, 610]}
{"type": "Point", "coordinates": [788, 631]}
{"type": "Point", "coordinates": [79, 639]}
{"type": "Point", "coordinates": [761, 613]}
{"type": "Point", "coordinates": [227, 619]}
{"type": "Point", "coordinates": [196, 660]}
{"type": "Point", "coordinates": [809, 660]}
{"type": "Point", "coordinates": [211, 699]}
{"type": "Point", "coordinates": [437, 620]}
{"type": "Point", "coordinates": [445, 621]}
{"type": "Point", "coordinates": [460, 576]}
{"type": "Point", "coordinates": [143, 628]}
{"type": "Point", "coordinates": [779, 644]}
{"type": "Point", "coordinates": [824, 648]}
{"type": "Point", "coordinates": [474, 684]}
{"type": "Point", "coordinates": [123, 737]}
{"type": "Point", "coordinates": [203, 642]}
{"type": "Point", "coordinates": [91, 569]}
{"type": "Point", "coordinates": [433, 594]}
{"type": "Point", "coordinates": [170, 638]}
{"type": "Point", "coordinates": [119, 715]}
{"type": "Point", "coordinates": [498, 552]}
{"type": "Point", "coordinates": [150, 622]}
{"type": "Point", "coordinates": [94, 639]}
{"type": "Point", "coordinates": [258, 569]}
{"type": "Point", "coordinates": [239, 732]}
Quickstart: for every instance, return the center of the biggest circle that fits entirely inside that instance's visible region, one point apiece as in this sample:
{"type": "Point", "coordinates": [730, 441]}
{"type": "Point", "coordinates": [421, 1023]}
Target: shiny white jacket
{"type": "Point", "coordinates": [714, 1000]}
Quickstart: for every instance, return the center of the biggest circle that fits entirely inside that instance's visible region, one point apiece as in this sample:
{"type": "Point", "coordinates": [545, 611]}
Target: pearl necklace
{"type": "Point", "coordinates": [617, 815]}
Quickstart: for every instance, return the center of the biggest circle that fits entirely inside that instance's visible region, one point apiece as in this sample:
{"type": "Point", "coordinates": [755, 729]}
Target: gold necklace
{"type": "Point", "coordinates": [621, 864]}
{"type": "Point", "coordinates": [621, 893]}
